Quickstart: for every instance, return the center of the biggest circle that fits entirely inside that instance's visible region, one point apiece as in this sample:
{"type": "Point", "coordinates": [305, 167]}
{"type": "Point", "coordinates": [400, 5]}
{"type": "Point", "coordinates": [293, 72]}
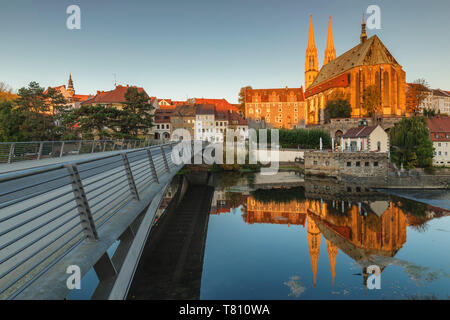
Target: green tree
{"type": "Point", "coordinates": [411, 144]}
{"type": "Point", "coordinates": [41, 110]}
{"type": "Point", "coordinates": [135, 117]}
{"type": "Point", "coordinates": [93, 121]}
{"type": "Point", "coordinates": [338, 108]}
{"type": "Point", "coordinates": [372, 100]}
{"type": "Point", "coordinates": [10, 122]}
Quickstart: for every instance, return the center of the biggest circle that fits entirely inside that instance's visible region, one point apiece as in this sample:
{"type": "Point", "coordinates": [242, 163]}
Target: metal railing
{"type": "Point", "coordinates": [11, 152]}
{"type": "Point", "coordinates": [47, 212]}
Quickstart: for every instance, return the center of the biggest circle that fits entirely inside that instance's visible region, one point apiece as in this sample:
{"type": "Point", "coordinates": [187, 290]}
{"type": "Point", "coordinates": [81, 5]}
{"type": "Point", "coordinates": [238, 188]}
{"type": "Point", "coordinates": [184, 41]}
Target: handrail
{"type": "Point", "coordinates": [11, 152]}
{"type": "Point", "coordinates": [46, 212]}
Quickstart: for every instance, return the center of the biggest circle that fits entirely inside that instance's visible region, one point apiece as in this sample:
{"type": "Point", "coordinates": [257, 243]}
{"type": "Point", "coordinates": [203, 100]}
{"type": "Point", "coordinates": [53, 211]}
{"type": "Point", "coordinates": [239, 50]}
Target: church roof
{"type": "Point", "coordinates": [282, 93]}
{"type": "Point", "coordinates": [370, 52]}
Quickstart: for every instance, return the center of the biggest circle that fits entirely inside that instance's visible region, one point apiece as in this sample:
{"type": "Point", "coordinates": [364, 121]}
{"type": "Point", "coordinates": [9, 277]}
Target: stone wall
{"type": "Point", "coordinates": [363, 167]}
{"type": "Point", "coordinates": [342, 125]}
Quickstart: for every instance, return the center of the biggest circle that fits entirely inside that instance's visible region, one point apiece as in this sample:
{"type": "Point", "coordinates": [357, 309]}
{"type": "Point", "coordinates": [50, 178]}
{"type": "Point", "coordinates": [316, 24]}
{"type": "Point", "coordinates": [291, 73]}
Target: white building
{"type": "Point", "coordinates": [440, 136]}
{"type": "Point", "coordinates": [366, 139]}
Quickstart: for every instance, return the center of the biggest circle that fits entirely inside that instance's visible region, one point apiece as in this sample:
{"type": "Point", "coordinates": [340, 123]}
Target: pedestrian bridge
{"type": "Point", "coordinates": [70, 213]}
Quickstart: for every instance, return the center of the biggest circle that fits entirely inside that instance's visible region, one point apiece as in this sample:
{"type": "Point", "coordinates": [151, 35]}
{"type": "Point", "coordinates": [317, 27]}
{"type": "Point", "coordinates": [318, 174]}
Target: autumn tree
{"type": "Point", "coordinates": [417, 92]}
{"type": "Point", "coordinates": [6, 92]}
{"type": "Point", "coordinates": [242, 99]}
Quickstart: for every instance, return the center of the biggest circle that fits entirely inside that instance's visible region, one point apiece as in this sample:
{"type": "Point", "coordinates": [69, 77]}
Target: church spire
{"type": "Point", "coordinates": [332, 253]}
{"type": "Point", "coordinates": [311, 60]}
{"type": "Point", "coordinates": [313, 236]}
{"type": "Point", "coordinates": [330, 51]}
{"type": "Point", "coordinates": [363, 30]}
{"type": "Point", "coordinates": [70, 85]}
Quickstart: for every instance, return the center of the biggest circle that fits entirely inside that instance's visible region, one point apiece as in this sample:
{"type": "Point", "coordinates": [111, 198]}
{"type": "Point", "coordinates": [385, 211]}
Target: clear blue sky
{"type": "Point", "coordinates": [207, 48]}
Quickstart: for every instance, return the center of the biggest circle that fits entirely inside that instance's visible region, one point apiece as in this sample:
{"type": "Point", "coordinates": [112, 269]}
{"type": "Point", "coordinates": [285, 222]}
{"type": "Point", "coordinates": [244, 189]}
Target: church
{"type": "Point", "coordinates": [367, 64]}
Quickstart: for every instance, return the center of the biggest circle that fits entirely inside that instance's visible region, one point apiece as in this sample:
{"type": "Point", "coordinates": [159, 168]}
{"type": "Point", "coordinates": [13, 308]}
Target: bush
{"type": "Point", "coordinates": [301, 138]}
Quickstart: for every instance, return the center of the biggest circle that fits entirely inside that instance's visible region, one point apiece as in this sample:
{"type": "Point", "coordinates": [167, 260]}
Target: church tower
{"type": "Point", "coordinates": [70, 88]}
{"type": "Point", "coordinates": [313, 235]}
{"type": "Point", "coordinates": [330, 51]}
{"type": "Point", "coordinates": [311, 61]}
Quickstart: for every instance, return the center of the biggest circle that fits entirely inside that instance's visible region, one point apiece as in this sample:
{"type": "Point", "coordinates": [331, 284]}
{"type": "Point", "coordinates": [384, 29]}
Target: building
{"type": "Point", "coordinates": [434, 99]}
{"type": "Point", "coordinates": [114, 98]}
{"type": "Point", "coordinates": [221, 104]}
{"type": "Point", "coordinates": [275, 108]}
{"type": "Point", "coordinates": [163, 127]}
{"type": "Point", "coordinates": [368, 64]}
{"type": "Point", "coordinates": [367, 139]}
{"type": "Point", "coordinates": [183, 117]}
{"type": "Point", "coordinates": [212, 123]}
{"type": "Point", "coordinates": [204, 122]}
{"type": "Point", "coordinates": [440, 136]}
{"type": "Point", "coordinates": [74, 100]}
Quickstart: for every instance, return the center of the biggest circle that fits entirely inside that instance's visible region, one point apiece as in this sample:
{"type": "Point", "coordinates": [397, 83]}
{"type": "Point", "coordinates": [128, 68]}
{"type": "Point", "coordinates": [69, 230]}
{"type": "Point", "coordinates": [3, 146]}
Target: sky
{"type": "Point", "coordinates": [207, 48]}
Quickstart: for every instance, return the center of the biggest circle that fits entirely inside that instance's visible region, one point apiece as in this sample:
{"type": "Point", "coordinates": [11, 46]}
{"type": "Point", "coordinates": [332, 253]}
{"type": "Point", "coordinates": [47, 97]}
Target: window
{"type": "Point", "coordinates": [379, 146]}
{"type": "Point", "coordinates": [349, 189]}
{"type": "Point", "coordinates": [315, 163]}
{"type": "Point", "coordinates": [375, 164]}
{"type": "Point", "coordinates": [358, 189]}
{"type": "Point", "coordinates": [327, 163]}
{"type": "Point", "coordinates": [358, 164]}
{"type": "Point", "coordinates": [349, 164]}
{"type": "Point", "coordinates": [366, 164]}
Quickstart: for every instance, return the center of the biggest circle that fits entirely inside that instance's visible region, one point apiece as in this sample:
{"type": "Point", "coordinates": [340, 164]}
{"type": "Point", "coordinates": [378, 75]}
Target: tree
{"type": "Point", "coordinates": [338, 106]}
{"type": "Point", "coordinates": [41, 109]}
{"type": "Point", "coordinates": [416, 94]}
{"type": "Point", "coordinates": [10, 122]}
{"type": "Point", "coordinates": [93, 121]}
{"type": "Point", "coordinates": [429, 113]}
{"type": "Point", "coordinates": [135, 116]}
{"type": "Point", "coordinates": [411, 144]}
{"type": "Point", "coordinates": [6, 92]}
{"type": "Point", "coordinates": [372, 100]}
{"type": "Point", "coordinates": [242, 99]}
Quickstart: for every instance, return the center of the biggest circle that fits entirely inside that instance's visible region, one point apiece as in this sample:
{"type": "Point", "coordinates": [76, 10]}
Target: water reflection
{"type": "Point", "coordinates": [365, 225]}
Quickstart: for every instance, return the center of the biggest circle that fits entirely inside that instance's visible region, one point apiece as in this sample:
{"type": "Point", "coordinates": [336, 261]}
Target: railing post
{"type": "Point", "coordinates": [104, 145]}
{"type": "Point", "coordinates": [41, 146]}
{"type": "Point", "coordinates": [114, 145]}
{"type": "Point", "coordinates": [11, 153]}
{"type": "Point", "coordinates": [152, 166]}
{"type": "Point", "coordinates": [93, 146]}
{"type": "Point", "coordinates": [62, 150]}
{"type": "Point", "coordinates": [165, 159]}
{"type": "Point", "coordinates": [131, 182]}
{"type": "Point", "coordinates": [84, 210]}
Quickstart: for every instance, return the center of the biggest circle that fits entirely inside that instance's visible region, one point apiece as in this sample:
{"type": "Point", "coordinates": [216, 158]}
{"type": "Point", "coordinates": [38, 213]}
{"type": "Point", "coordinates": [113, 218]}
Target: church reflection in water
{"type": "Point", "coordinates": [361, 229]}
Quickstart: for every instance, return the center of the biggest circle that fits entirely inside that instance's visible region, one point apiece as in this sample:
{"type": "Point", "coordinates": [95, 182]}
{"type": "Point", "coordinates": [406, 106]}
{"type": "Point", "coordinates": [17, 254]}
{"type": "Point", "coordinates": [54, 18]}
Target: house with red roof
{"type": "Point", "coordinates": [113, 98]}
{"type": "Point", "coordinates": [439, 127]}
{"type": "Point", "coordinates": [366, 139]}
{"type": "Point", "coordinates": [74, 100]}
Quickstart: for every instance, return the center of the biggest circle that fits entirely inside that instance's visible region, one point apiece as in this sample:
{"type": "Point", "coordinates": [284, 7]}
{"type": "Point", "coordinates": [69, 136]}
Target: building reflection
{"type": "Point", "coordinates": [361, 229]}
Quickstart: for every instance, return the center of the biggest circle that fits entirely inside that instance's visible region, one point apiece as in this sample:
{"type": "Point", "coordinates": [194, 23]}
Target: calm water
{"type": "Point", "coordinates": [307, 243]}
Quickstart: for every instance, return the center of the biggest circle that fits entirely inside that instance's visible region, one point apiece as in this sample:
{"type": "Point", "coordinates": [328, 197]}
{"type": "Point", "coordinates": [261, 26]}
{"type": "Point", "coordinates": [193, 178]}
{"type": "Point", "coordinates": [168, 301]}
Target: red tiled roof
{"type": "Point", "coordinates": [359, 132]}
{"type": "Point", "coordinates": [220, 104]}
{"type": "Point", "coordinates": [205, 109]}
{"type": "Point", "coordinates": [114, 96]}
{"type": "Point", "coordinates": [439, 126]}
{"type": "Point", "coordinates": [81, 97]}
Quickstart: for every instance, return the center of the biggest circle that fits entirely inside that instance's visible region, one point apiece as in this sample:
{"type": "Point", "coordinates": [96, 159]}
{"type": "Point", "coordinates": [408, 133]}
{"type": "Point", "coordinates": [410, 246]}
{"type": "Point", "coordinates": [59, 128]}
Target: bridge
{"type": "Point", "coordinates": [72, 211]}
